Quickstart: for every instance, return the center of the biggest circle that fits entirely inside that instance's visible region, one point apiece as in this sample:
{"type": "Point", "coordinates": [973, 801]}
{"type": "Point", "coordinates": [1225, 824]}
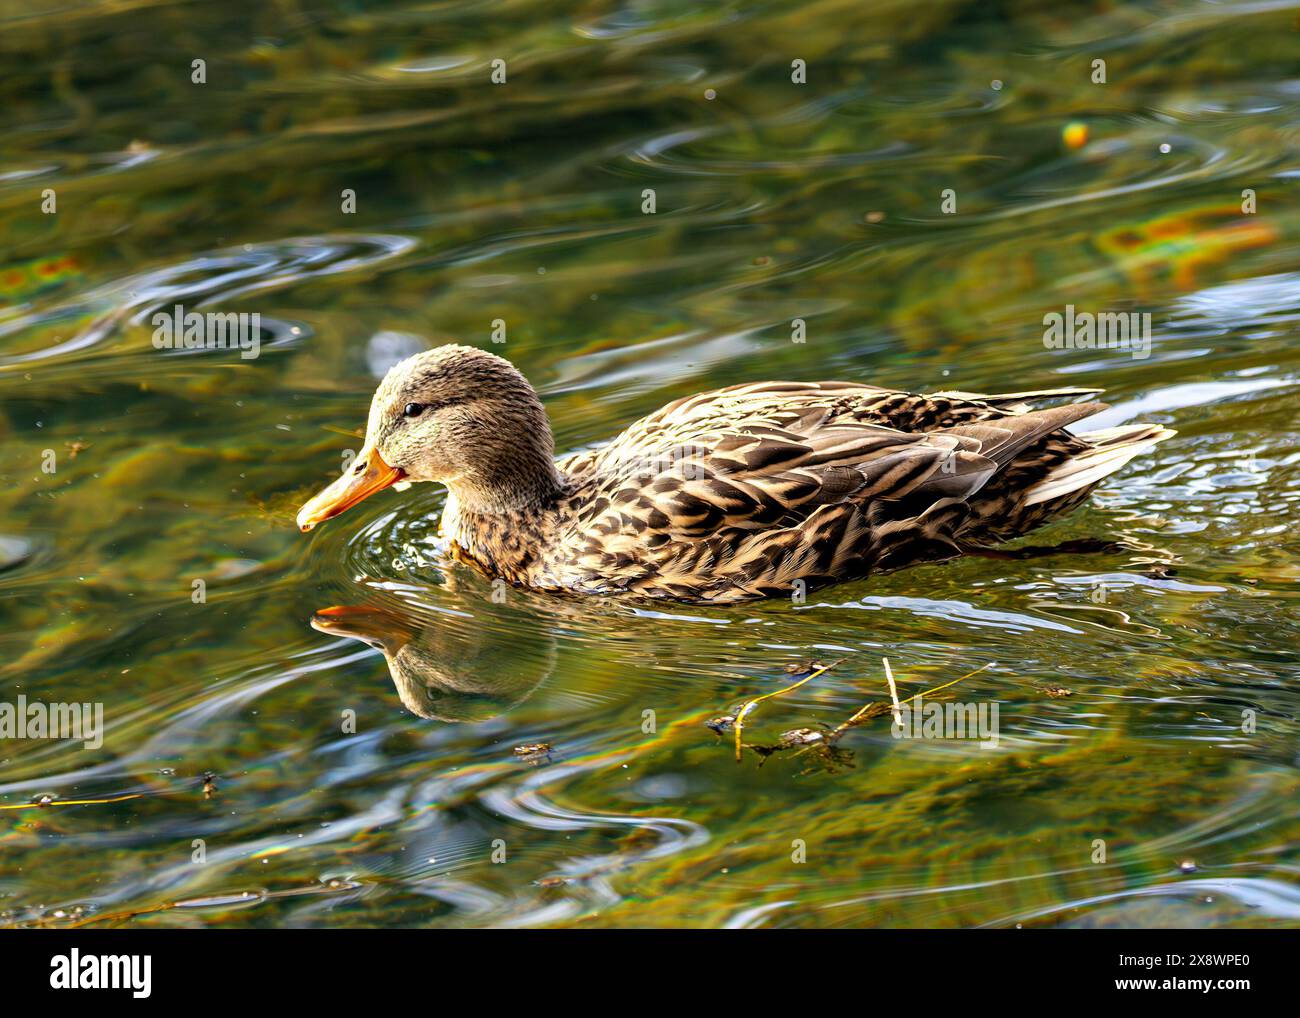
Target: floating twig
{"type": "Point", "coordinates": [893, 692]}
{"type": "Point", "coordinates": [739, 723]}
{"type": "Point", "coordinates": [821, 741]}
{"type": "Point", "coordinates": [873, 710]}
{"type": "Point", "coordinates": [47, 803]}
{"type": "Point", "coordinates": [825, 746]}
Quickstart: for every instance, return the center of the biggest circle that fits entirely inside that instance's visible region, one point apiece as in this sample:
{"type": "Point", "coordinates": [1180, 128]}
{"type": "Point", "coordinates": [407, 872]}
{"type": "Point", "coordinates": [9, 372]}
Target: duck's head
{"type": "Point", "coordinates": [457, 415]}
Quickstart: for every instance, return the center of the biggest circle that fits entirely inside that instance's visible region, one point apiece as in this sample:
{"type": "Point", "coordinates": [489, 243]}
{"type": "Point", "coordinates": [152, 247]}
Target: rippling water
{"type": "Point", "coordinates": [266, 762]}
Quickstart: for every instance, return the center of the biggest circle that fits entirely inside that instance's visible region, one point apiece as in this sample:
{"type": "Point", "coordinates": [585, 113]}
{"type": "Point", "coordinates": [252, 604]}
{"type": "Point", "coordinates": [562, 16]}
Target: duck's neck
{"type": "Point", "coordinates": [502, 524]}
{"type": "Point", "coordinates": [502, 499]}
{"type": "Point", "coordinates": [519, 487]}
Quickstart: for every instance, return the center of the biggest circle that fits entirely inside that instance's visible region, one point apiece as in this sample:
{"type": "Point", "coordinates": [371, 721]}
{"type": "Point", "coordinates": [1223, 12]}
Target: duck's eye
{"type": "Point", "coordinates": [413, 410]}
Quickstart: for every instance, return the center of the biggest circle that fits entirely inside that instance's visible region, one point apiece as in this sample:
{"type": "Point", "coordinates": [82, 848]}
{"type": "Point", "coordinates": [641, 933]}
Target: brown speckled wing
{"type": "Point", "coordinates": [738, 492]}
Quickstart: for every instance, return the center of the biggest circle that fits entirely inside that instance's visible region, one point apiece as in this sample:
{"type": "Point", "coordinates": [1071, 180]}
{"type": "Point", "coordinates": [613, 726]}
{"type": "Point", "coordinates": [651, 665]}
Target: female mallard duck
{"type": "Point", "coordinates": [724, 495]}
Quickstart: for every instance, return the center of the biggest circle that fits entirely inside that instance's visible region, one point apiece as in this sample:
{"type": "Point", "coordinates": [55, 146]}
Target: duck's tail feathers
{"type": "Point", "coordinates": [1018, 402]}
{"type": "Point", "coordinates": [1111, 449]}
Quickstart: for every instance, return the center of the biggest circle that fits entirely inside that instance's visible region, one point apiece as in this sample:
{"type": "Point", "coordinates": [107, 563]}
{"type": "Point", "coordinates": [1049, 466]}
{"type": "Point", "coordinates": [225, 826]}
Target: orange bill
{"type": "Point", "coordinates": [368, 474]}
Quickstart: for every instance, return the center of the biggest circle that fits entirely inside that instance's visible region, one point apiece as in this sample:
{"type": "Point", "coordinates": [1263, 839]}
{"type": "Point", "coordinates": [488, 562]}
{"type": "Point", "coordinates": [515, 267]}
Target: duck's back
{"type": "Point", "coordinates": [742, 491]}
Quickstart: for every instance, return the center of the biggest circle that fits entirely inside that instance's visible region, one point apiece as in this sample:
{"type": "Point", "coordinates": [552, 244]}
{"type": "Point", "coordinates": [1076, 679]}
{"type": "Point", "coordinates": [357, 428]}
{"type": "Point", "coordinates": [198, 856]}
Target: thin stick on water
{"type": "Point", "coordinates": [931, 692]}
{"type": "Point", "coordinates": [73, 802]}
{"type": "Point", "coordinates": [740, 717]}
{"type": "Point", "coordinates": [873, 709]}
{"type": "Point", "coordinates": [893, 693]}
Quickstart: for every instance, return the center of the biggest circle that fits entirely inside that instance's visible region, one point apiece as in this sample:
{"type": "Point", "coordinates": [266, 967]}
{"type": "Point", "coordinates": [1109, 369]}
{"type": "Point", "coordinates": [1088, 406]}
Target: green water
{"type": "Point", "coordinates": [346, 795]}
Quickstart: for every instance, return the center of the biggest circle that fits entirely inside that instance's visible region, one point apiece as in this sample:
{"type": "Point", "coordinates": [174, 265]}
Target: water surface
{"type": "Point", "coordinates": [1146, 766]}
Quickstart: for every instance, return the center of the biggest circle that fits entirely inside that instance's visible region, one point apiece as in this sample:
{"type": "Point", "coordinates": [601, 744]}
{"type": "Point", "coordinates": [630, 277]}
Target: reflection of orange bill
{"type": "Point", "coordinates": [378, 627]}
{"type": "Point", "coordinates": [368, 475]}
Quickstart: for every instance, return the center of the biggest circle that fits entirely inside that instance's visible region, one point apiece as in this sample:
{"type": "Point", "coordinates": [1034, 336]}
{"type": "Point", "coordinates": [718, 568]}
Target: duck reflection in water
{"type": "Point", "coordinates": [447, 667]}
